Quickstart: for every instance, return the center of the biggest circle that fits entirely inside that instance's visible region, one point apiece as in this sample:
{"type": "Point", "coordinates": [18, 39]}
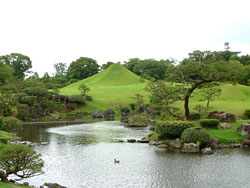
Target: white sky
{"type": "Point", "coordinates": [52, 31]}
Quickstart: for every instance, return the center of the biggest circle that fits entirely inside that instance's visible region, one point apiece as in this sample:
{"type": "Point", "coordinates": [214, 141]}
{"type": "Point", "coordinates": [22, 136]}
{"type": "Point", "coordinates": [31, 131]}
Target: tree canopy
{"type": "Point", "coordinates": [194, 73]}
{"type": "Point", "coordinates": [19, 63]}
{"type": "Point", "coordinates": [83, 67]}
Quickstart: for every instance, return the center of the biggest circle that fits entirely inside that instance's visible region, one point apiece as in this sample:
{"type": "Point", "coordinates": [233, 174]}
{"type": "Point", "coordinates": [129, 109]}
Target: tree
{"type": "Point", "coordinates": [192, 74]}
{"type": "Point", "coordinates": [149, 67]}
{"type": "Point", "coordinates": [5, 72]}
{"type": "Point", "coordinates": [105, 66]}
{"type": "Point", "coordinates": [83, 67]}
{"type": "Point", "coordinates": [19, 63]}
{"type": "Point", "coordinates": [83, 89]}
{"type": "Point", "coordinates": [21, 161]}
{"type": "Point", "coordinates": [209, 92]}
{"type": "Point", "coordinates": [61, 69]}
{"type": "Point", "coordinates": [139, 100]}
{"type": "Point", "coordinates": [166, 96]}
{"type": "Point", "coordinates": [7, 99]}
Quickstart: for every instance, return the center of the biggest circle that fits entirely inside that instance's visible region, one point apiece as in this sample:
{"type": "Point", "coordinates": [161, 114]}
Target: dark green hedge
{"type": "Point", "coordinates": [172, 129]}
{"type": "Point", "coordinates": [209, 122]}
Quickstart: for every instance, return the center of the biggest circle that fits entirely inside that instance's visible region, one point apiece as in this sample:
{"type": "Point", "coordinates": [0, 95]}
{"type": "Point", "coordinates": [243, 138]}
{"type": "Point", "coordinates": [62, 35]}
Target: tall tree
{"type": "Point", "coordinates": [83, 67]}
{"type": "Point", "coordinates": [105, 66]}
{"type": "Point", "coordinates": [5, 72]}
{"type": "Point", "coordinates": [20, 64]}
{"type": "Point", "coordinates": [192, 74]}
{"type": "Point", "coordinates": [61, 69]}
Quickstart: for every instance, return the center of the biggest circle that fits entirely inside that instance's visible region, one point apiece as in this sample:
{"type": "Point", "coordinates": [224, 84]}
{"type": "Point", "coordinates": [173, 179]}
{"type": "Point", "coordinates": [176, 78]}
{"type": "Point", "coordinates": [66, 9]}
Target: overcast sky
{"type": "Point", "coordinates": [52, 31]}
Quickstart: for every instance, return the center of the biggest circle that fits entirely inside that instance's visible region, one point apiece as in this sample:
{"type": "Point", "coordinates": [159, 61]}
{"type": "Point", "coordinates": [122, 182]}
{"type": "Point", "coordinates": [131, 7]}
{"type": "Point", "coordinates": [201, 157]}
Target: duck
{"type": "Point", "coordinates": [116, 161]}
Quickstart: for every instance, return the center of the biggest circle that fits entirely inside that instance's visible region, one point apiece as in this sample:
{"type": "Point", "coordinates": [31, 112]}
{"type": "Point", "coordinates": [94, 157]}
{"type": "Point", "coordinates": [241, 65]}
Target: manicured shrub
{"type": "Point", "coordinates": [71, 106]}
{"type": "Point", "coordinates": [246, 114]}
{"type": "Point", "coordinates": [132, 106]}
{"type": "Point", "coordinates": [23, 112]}
{"type": "Point", "coordinates": [88, 98]}
{"type": "Point", "coordinates": [209, 122]}
{"type": "Point", "coordinates": [77, 99]}
{"type": "Point", "coordinates": [30, 100]}
{"type": "Point", "coordinates": [11, 124]}
{"type": "Point", "coordinates": [152, 128]}
{"type": "Point", "coordinates": [195, 135]}
{"type": "Point", "coordinates": [138, 120]}
{"type": "Point", "coordinates": [172, 129]}
{"type": "Point", "coordinates": [124, 110]}
{"type": "Point", "coordinates": [194, 116]}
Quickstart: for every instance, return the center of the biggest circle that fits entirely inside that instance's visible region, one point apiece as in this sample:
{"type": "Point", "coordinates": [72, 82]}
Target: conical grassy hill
{"type": "Point", "coordinates": [112, 87]}
{"type": "Point", "coordinates": [116, 86]}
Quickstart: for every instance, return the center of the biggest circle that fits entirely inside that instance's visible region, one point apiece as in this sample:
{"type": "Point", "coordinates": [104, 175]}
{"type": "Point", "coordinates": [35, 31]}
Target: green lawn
{"type": "Point", "coordinates": [117, 85]}
{"type": "Point", "coordinates": [10, 185]}
{"type": "Point", "coordinates": [227, 135]}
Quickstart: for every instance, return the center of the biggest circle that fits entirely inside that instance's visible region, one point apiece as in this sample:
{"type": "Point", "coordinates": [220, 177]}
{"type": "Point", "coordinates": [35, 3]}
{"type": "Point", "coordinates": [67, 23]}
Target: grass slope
{"type": "Point", "coordinates": [117, 85]}
{"type": "Point", "coordinates": [111, 87]}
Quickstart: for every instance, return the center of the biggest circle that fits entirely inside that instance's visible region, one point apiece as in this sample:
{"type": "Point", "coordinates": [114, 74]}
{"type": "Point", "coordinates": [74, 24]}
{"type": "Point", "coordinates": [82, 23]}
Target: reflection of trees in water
{"type": "Point", "coordinates": [37, 132]}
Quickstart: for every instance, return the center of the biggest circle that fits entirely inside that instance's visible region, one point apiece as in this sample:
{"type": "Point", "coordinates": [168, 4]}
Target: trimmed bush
{"type": "Point", "coordinates": [11, 124]}
{"type": "Point", "coordinates": [195, 135]}
{"type": "Point", "coordinates": [77, 99]}
{"type": "Point", "coordinates": [209, 122]}
{"type": "Point", "coordinates": [152, 128]}
{"type": "Point", "coordinates": [88, 98]}
{"type": "Point", "coordinates": [194, 116]}
{"type": "Point", "coordinates": [246, 114]}
{"type": "Point", "coordinates": [124, 110]}
{"type": "Point", "coordinates": [172, 129]}
{"type": "Point", "coordinates": [138, 120]}
{"type": "Point", "coordinates": [71, 106]}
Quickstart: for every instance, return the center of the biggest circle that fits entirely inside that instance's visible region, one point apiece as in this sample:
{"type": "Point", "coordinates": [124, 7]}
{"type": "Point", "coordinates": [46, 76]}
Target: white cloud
{"type": "Point", "coordinates": [52, 31]}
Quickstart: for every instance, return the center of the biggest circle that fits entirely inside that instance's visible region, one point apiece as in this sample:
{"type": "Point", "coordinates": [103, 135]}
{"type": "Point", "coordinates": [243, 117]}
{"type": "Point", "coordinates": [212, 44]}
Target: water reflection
{"type": "Point", "coordinates": [82, 156]}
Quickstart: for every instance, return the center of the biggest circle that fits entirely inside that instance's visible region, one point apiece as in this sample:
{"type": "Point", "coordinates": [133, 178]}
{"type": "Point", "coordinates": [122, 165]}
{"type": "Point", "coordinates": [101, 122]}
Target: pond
{"type": "Point", "coordinates": [83, 155]}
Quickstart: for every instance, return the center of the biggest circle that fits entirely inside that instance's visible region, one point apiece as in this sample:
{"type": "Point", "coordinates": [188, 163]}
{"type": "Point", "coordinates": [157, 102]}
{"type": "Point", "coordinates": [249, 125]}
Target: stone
{"type": "Point", "coordinates": [162, 146]}
{"type": "Point", "coordinates": [176, 144]}
{"type": "Point", "coordinates": [54, 185]}
{"type": "Point", "coordinates": [97, 114]}
{"type": "Point", "coordinates": [244, 129]}
{"type": "Point", "coordinates": [207, 150]}
{"type": "Point", "coordinates": [143, 141]}
{"type": "Point", "coordinates": [235, 145]}
{"type": "Point", "coordinates": [246, 143]}
{"type": "Point", "coordinates": [152, 142]}
{"type": "Point", "coordinates": [131, 140]}
{"type": "Point", "coordinates": [214, 143]}
{"type": "Point", "coordinates": [118, 140]}
{"type": "Point", "coordinates": [44, 143]}
{"type": "Point", "coordinates": [223, 146]}
{"type": "Point", "coordinates": [26, 183]}
{"type": "Point", "coordinates": [222, 116]}
{"type": "Point", "coordinates": [159, 143]}
{"type": "Point", "coordinates": [190, 148]}
{"type": "Point", "coordinates": [109, 115]}
{"type": "Point", "coordinates": [224, 126]}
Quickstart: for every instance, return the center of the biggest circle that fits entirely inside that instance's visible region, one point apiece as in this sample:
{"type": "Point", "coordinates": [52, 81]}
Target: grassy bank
{"type": "Point", "coordinates": [11, 185]}
{"type": "Point", "coordinates": [227, 135]}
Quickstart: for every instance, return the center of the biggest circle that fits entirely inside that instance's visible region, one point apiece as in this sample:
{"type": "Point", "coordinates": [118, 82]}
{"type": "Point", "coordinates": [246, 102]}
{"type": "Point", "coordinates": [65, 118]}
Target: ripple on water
{"type": "Point", "coordinates": [82, 156]}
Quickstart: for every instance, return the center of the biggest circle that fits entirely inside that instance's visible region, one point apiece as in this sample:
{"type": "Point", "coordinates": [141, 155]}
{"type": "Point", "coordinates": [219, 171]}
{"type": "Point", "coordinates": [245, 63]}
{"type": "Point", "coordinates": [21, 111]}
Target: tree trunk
{"type": "Point", "coordinates": [188, 94]}
{"type": "Point", "coordinates": [208, 100]}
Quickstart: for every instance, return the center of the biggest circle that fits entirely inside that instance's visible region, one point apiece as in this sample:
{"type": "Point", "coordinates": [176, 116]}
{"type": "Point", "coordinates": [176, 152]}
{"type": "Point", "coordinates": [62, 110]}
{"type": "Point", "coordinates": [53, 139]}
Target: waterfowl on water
{"type": "Point", "coordinates": [116, 161]}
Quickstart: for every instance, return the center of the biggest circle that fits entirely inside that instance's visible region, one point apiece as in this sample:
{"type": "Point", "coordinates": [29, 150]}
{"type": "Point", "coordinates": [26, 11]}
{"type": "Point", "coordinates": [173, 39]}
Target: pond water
{"type": "Point", "coordinates": [83, 155]}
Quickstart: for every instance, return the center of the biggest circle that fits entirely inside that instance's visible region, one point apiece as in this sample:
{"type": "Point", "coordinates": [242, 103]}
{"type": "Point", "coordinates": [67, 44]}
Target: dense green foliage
{"type": "Point", "coordinates": [246, 114]}
{"type": "Point", "coordinates": [172, 129]}
{"type": "Point", "coordinates": [18, 62]}
{"type": "Point", "coordinates": [195, 135]}
{"type": "Point", "coordinates": [148, 67]}
{"type": "Point", "coordinates": [79, 99]}
{"type": "Point", "coordinates": [83, 67]}
{"type": "Point", "coordinates": [11, 124]}
{"type": "Point", "coordinates": [21, 161]}
{"type": "Point", "coordinates": [209, 122]}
